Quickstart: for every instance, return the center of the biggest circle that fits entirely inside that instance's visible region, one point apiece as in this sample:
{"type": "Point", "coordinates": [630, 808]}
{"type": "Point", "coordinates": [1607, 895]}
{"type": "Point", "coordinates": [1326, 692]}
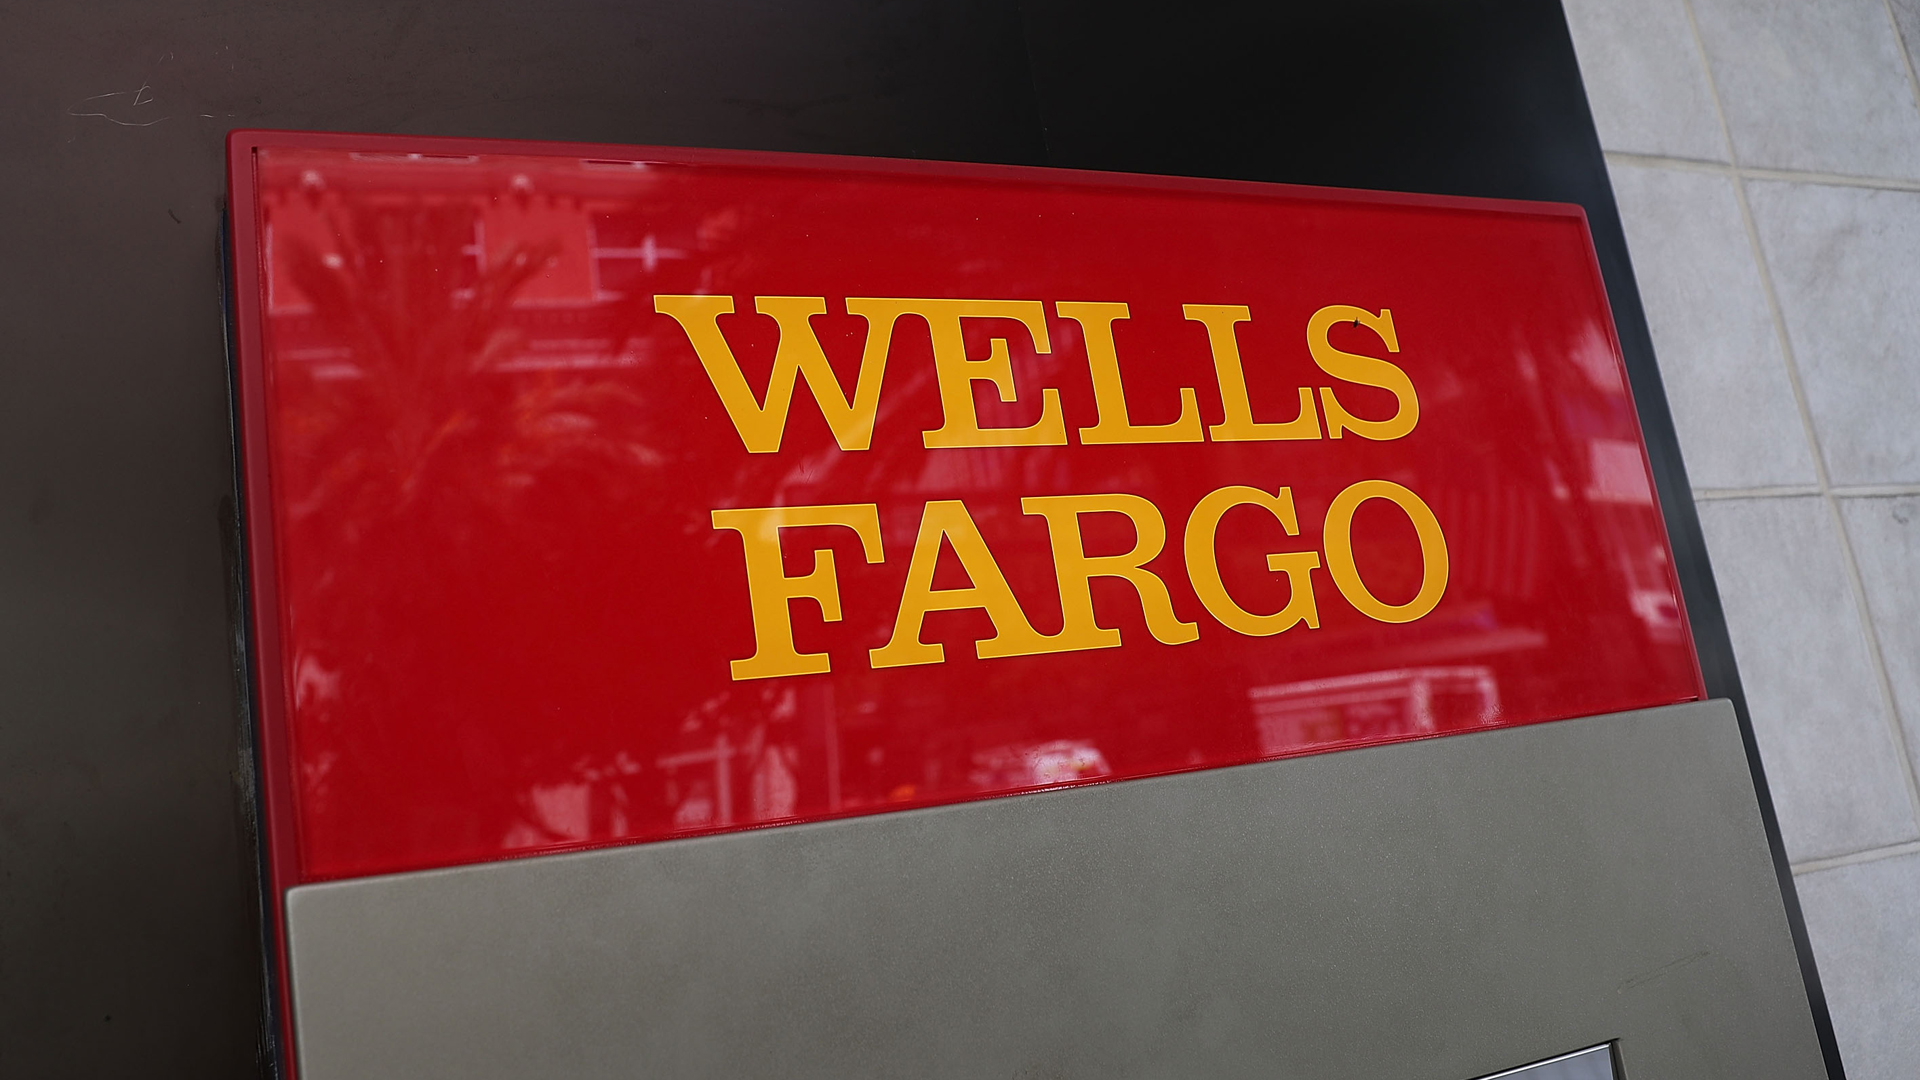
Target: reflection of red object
{"type": "Point", "coordinates": [1061, 761]}
{"type": "Point", "coordinates": [494, 615]}
{"type": "Point", "coordinates": [1373, 707]}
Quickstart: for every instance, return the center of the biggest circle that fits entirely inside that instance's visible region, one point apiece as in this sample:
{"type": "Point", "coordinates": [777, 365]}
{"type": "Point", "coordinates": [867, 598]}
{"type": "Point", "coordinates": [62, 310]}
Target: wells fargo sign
{"type": "Point", "coordinates": [947, 524]}
{"type": "Point", "coordinates": [603, 495]}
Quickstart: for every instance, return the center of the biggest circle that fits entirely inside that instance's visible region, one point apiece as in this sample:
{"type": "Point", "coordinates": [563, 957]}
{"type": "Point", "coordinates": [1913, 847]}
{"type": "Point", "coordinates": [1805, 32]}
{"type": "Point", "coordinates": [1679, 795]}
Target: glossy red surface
{"type": "Point", "coordinates": [497, 613]}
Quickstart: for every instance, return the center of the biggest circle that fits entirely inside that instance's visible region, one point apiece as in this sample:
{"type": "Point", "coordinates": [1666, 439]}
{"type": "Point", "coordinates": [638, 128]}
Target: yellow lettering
{"type": "Point", "coordinates": [1203, 565]}
{"type": "Point", "coordinates": [1075, 569]}
{"type": "Point", "coordinates": [769, 589]}
{"type": "Point", "coordinates": [798, 354]}
{"type": "Point", "coordinates": [1238, 424]}
{"type": "Point", "coordinates": [1339, 543]}
{"type": "Point", "coordinates": [1110, 396]}
{"type": "Point", "coordinates": [1362, 370]}
{"type": "Point", "coordinates": [957, 373]}
{"type": "Point", "coordinates": [948, 520]}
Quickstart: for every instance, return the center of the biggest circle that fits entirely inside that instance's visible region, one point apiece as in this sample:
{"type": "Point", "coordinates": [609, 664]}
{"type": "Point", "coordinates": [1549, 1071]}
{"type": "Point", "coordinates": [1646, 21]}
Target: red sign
{"type": "Point", "coordinates": [605, 495]}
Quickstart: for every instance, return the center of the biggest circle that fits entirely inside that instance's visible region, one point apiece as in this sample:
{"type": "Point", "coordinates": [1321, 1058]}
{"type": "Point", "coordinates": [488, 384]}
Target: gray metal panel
{"type": "Point", "coordinates": [1426, 911]}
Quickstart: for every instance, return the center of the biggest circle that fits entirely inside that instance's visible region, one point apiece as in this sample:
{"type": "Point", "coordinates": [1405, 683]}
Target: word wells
{"type": "Point", "coordinates": [761, 423]}
{"type": "Point", "coordinates": [772, 536]}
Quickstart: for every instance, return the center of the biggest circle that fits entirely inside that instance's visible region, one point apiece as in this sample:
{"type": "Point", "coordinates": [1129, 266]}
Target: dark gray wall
{"type": "Point", "coordinates": [128, 927]}
{"type": "Point", "coordinates": [128, 913]}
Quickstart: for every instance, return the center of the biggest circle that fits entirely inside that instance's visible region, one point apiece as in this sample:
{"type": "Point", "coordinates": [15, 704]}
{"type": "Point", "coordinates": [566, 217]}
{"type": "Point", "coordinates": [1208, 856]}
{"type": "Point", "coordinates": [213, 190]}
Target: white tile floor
{"type": "Point", "coordinates": [1886, 542]}
{"type": "Point", "coordinates": [1813, 85]}
{"type": "Point", "coordinates": [1846, 265]}
{"type": "Point", "coordinates": [1838, 778]}
{"type": "Point", "coordinates": [1712, 330]}
{"type": "Point", "coordinates": [1794, 371]}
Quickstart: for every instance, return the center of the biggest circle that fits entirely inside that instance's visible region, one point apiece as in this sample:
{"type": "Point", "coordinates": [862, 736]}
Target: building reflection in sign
{"type": "Point", "coordinates": [1371, 707]}
{"type": "Point", "coordinates": [1018, 768]}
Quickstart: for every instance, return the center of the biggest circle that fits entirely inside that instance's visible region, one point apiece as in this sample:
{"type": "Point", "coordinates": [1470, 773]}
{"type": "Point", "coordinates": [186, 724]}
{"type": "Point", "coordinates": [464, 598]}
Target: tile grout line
{"type": "Point", "coordinates": [1875, 491]}
{"type": "Point", "coordinates": [1900, 42]}
{"type": "Point", "coordinates": [1795, 491]}
{"type": "Point", "coordinates": [1855, 858]}
{"type": "Point", "coordinates": [1721, 168]}
{"type": "Point", "coordinates": [1629, 157]}
{"type": "Point", "coordinates": [1862, 609]}
{"type": "Point", "coordinates": [1785, 491]}
{"type": "Point", "coordinates": [1799, 176]}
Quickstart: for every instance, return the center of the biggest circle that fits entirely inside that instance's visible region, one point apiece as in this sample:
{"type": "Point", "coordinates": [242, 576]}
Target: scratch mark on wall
{"type": "Point", "coordinates": [142, 96]}
{"type": "Point", "coordinates": [1663, 969]}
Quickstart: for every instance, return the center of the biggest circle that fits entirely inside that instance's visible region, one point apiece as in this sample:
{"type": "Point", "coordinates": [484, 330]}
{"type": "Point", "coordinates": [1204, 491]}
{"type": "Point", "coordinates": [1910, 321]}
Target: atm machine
{"type": "Point", "coordinates": [761, 615]}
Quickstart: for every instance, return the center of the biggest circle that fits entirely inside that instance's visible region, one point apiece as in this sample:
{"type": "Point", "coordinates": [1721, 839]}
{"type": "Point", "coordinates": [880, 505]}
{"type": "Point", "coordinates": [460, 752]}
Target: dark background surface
{"type": "Point", "coordinates": [129, 917]}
